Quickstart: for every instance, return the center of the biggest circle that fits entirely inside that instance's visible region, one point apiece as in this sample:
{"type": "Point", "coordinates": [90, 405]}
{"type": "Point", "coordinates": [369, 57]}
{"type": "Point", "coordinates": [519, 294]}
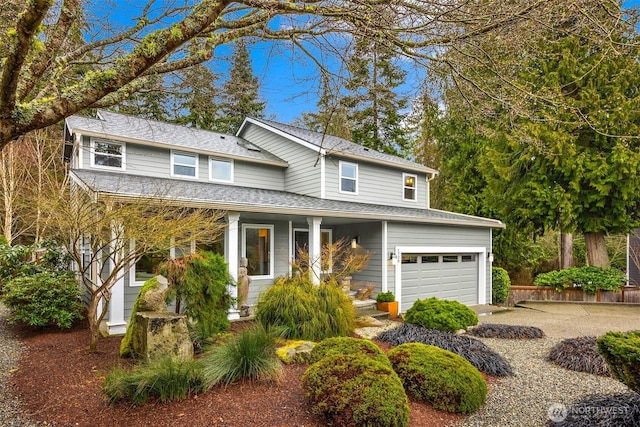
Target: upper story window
{"type": "Point", "coordinates": [409, 187]}
{"type": "Point", "coordinates": [220, 170]}
{"type": "Point", "coordinates": [348, 177]}
{"type": "Point", "coordinates": [184, 164]}
{"type": "Point", "coordinates": [107, 154]}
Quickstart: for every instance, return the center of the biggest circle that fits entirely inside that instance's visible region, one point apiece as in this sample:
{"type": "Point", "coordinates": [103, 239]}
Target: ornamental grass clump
{"type": "Point", "coordinates": [475, 351]}
{"type": "Point", "coordinates": [621, 350]}
{"type": "Point", "coordinates": [579, 354]}
{"type": "Point", "coordinates": [166, 379]}
{"type": "Point", "coordinates": [306, 311]}
{"type": "Point", "coordinates": [347, 345]}
{"type": "Point", "coordinates": [439, 377]}
{"type": "Point", "coordinates": [442, 315]}
{"type": "Point", "coordinates": [516, 332]}
{"type": "Point", "coordinates": [250, 355]}
{"type": "Point", "coordinates": [354, 390]}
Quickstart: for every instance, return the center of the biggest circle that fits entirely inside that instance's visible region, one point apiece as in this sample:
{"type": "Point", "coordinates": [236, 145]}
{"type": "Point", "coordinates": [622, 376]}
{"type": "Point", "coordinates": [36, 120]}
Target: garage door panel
{"type": "Point", "coordinates": [445, 280]}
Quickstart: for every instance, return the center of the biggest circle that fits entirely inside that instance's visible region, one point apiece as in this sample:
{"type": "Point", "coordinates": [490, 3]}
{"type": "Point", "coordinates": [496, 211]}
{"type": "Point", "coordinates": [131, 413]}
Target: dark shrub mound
{"type": "Point", "coordinates": [354, 390]}
{"type": "Point", "coordinates": [440, 314]}
{"type": "Point", "coordinates": [579, 354]}
{"type": "Point", "coordinates": [600, 410]}
{"type": "Point", "coordinates": [439, 377]}
{"type": "Point", "coordinates": [493, 330]}
{"type": "Point", "coordinates": [476, 352]}
{"type": "Point", "coordinates": [621, 350]}
{"type": "Point", "coordinates": [347, 345]}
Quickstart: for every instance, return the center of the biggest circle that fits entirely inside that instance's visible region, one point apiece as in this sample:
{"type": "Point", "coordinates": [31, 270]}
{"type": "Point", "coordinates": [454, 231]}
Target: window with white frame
{"type": "Point", "coordinates": [348, 177]}
{"type": "Point", "coordinates": [409, 183]}
{"type": "Point", "coordinates": [107, 154]}
{"type": "Point", "coordinates": [301, 244]}
{"type": "Point", "coordinates": [184, 164]}
{"type": "Point", "coordinates": [220, 170]}
{"type": "Point", "coordinates": [147, 266]}
{"type": "Point", "coordinates": [257, 247]}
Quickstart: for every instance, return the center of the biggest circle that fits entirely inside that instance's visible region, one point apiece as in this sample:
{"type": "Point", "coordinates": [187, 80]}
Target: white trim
{"type": "Point", "coordinates": [315, 248]}
{"type": "Point", "coordinates": [340, 190]}
{"type": "Point", "coordinates": [271, 228]}
{"type": "Point", "coordinates": [231, 249]}
{"type": "Point", "coordinates": [482, 265]}
{"type": "Point", "coordinates": [219, 159]}
{"type": "Point", "coordinates": [116, 324]}
{"type": "Point", "coordinates": [306, 230]}
{"type": "Point", "coordinates": [415, 187]}
{"type": "Point", "coordinates": [281, 133]}
{"type": "Point", "coordinates": [384, 283]}
{"type": "Point", "coordinates": [186, 154]}
{"type": "Point", "coordinates": [291, 248]}
{"type": "Point", "coordinates": [123, 155]}
{"type": "Point", "coordinates": [323, 177]}
{"type": "Point", "coordinates": [79, 159]}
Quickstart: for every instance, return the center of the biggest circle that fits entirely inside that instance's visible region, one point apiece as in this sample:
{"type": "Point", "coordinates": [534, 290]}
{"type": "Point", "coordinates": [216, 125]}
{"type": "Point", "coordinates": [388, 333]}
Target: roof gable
{"type": "Point", "coordinates": [332, 145]}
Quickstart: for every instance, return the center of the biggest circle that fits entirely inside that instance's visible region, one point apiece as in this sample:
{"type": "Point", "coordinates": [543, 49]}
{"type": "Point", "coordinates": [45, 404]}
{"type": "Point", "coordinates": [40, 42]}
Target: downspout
{"type": "Point", "coordinates": [429, 179]}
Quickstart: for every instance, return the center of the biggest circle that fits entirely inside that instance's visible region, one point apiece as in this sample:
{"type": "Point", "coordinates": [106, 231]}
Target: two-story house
{"type": "Point", "coordinates": [284, 186]}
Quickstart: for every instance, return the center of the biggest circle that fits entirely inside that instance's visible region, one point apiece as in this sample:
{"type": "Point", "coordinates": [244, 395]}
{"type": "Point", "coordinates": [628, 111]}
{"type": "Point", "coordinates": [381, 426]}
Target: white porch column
{"type": "Point", "coordinates": [233, 240]}
{"type": "Point", "coordinates": [116, 324]}
{"type": "Point", "coordinates": [315, 244]}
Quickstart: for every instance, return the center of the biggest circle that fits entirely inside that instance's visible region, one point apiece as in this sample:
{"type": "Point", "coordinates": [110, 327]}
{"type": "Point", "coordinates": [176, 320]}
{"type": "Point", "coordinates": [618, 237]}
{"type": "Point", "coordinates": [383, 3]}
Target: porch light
{"type": "Point", "coordinates": [354, 242]}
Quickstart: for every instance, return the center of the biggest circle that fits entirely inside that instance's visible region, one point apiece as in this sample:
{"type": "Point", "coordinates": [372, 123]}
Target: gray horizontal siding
{"type": "Point", "coordinates": [376, 184]}
{"type": "Point", "coordinates": [303, 174]}
{"type": "Point", "coordinates": [156, 162]}
{"type": "Point", "coordinates": [370, 239]}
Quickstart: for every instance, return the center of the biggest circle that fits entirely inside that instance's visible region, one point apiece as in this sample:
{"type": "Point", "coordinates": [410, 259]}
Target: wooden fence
{"type": "Point", "coordinates": [628, 294]}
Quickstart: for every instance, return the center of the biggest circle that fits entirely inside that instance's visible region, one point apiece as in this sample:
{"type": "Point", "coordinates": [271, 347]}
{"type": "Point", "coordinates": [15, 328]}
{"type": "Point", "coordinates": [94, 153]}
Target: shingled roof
{"type": "Point", "coordinates": [152, 132]}
{"type": "Point", "coordinates": [244, 199]}
{"type": "Point", "coordinates": [340, 147]}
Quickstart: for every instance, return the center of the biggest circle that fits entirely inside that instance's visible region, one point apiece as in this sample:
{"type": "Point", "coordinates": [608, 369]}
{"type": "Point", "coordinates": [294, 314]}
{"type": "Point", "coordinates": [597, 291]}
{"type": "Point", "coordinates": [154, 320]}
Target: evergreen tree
{"type": "Point", "coordinates": [331, 117]}
{"type": "Point", "coordinates": [374, 106]}
{"type": "Point", "coordinates": [240, 97]}
{"type": "Point", "coordinates": [196, 102]}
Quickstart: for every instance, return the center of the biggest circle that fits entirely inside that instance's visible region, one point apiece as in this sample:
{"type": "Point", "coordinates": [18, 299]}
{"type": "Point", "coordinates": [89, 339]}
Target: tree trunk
{"type": "Point", "coordinates": [596, 249]}
{"type": "Point", "coordinates": [94, 324]}
{"type": "Point", "coordinates": [566, 250]}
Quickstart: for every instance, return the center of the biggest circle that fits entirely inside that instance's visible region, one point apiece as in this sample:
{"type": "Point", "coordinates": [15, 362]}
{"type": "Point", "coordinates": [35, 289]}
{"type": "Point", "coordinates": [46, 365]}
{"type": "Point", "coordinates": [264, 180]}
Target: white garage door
{"type": "Point", "coordinates": [445, 276]}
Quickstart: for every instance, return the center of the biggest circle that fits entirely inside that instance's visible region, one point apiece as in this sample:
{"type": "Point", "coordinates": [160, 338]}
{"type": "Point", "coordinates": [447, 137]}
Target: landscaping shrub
{"type": "Point", "coordinates": [501, 284]}
{"type": "Point", "coordinates": [250, 355]}
{"type": "Point", "coordinates": [588, 278]}
{"type": "Point", "coordinates": [603, 410]}
{"type": "Point", "coordinates": [44, 299]}
{"type": "Point", "coordinates": [476, 352]}
{"type": "Point", "coordinates": [307, 311]}
{"type": "Point", "coordinates": [354, 390]}
{"type": "Point", "coordinates": [621, 350]}
{"type": "Point", "coordinates": [579, 354]}
{"type": "Point", "coordinates": [385, 297]}
{"type": "Point", "coordinates": [166, 379]}
{"type": "Point", "coordinates": [294, 351]}
{"type": "Point", "coordinates": [440, 377]}
{"type": "Point", "coordinates": [492, 330]}
{"type": "Point", "coordinates": [442, 315]}
{"type": "Point", "coordinates": [347, 345]}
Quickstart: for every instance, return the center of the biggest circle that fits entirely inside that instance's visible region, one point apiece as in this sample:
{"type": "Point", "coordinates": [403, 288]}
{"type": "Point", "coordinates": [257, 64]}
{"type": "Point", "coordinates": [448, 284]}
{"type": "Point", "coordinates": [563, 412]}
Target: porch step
{"type": "Point", "coordinates": [368, 307]}
{"type": "Point", "coordinates": [378, 315]}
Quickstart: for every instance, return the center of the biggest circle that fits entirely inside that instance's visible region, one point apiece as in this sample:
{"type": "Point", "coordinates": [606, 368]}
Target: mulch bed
{"type": "Point", "coordinates": [59, 383]}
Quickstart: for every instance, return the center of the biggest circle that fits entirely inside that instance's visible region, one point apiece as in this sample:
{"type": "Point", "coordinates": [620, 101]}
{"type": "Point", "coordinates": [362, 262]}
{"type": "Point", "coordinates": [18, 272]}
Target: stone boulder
{"type": "Point", "coordinates": [157, 335]}
{"type": "Point", "coordinates": [154, 299]}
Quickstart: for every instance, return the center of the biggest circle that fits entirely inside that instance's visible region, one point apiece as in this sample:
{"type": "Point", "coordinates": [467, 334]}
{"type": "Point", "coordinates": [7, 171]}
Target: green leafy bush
{"type": "Point", "coordinates": [354, 390]}
{"type": "Point", "coordinates": [385, 297]}
{"type": "Point", "coordinates": [347, 345]}
{"type": "Point", "coordinates": [166, 379]}
{"type": "Point", "coordinates": [588, 278]}
{"type": "Point", "coordinates": [621, 350]}
{"type": "Point", "coordinates": [501, 284]}
{"type": "Point", "coordinates": [44, 299]}
{"type": "Point", "coordinates": [251, 355]}
{"type": "Point", "coordinates": [306, 311]}
{"type": "Point", "coordinates": [442, 315]}
{"type": "Point", "coordinates": [439, 377]}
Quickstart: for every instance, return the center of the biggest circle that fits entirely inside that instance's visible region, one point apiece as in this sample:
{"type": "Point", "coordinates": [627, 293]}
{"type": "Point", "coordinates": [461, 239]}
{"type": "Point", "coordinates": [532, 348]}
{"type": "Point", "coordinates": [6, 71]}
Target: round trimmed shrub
{"type": "Point", "coordinates": [306, 311]}
{"type": "Point", "coordinates": [347, 345]}
{"type": "Point", "coordinates": [353, 390]}
{"type": "Point", "coordinates": [516, 332]}
{"type": "Point", "coordinates": [442, 315]}
{"type": "Point", "coordinates": [44, 299]}
{"type": "Point", "coordinates": [621, 350]}
{"type": "Point", "coordinates": [440, 377]}
{"type": "Point", "coordinates": [501, 284]}
{"type": "Point", "coordinates": [580, 355]}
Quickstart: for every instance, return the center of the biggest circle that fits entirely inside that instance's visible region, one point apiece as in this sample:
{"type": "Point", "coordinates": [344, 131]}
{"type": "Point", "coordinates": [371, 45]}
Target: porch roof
{"type": "Point", "coordinates": [244, 199]}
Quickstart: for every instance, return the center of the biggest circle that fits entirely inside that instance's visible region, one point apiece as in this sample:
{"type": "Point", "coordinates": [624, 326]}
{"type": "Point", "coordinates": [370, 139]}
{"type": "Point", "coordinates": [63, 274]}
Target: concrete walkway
{"type": "Point", "coordinates": [565, 319]}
